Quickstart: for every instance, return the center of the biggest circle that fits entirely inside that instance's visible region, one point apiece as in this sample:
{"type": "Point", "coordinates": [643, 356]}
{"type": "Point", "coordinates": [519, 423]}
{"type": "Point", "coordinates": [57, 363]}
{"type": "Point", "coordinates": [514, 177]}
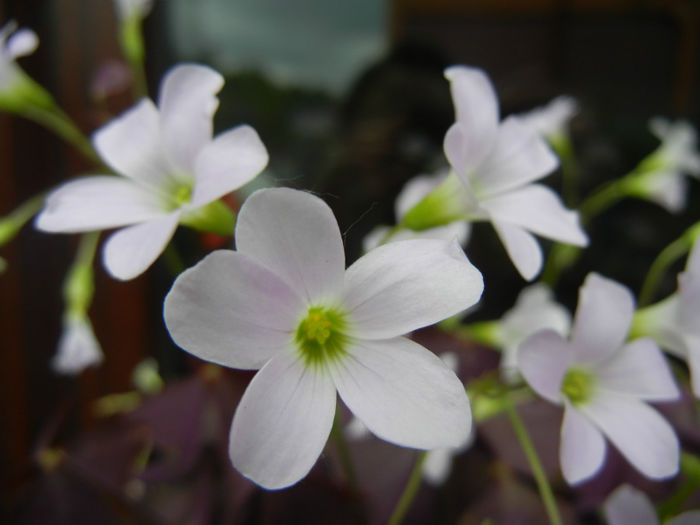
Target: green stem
{"type": "Point", "coordinates": [664, 260]}
{"type": "Point", "coordinates": [409, 492]}
{"type": "Point", "coordinates": [17, 218]}
{"type": "Point", "coordinates": [535, 464]}
{"type": "Point", "coordinates": [603, 199]}
{"type": "Point", "coordinates": [173, 260]}
{"type": "Point", "coordinates": [344, 451]}
{"type": "Point", "coordinates": [690, 467]}
{"type": "Point", "coordinates": [57, 121]}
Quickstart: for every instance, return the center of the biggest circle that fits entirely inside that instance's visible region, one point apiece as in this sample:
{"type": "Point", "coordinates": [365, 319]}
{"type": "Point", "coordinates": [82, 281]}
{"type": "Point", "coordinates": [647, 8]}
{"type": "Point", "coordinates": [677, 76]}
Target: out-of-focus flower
{"type": "Point", "coordinates": [130, 8]}
{"type": "Point", "coordinates": [284, 303]}
{"type": "Point", "coordinates": [171, 171]}
{"type": "Point", "coordinates": [627, 506]}
{"type": "Point", "coordinates": [495, 165]}
{"type": "Point", "coordinates": [604, 385]}
{"type": "Point", "coordinates": [673, 322]}
{"type": "Point", "coordinates": [411, 194]}
{"type": "Point", "coordinates": [438, 462]}
{"type": "Point", "coordinates": [78, 347]}
{"type": "Point", "coordinates": [551, 121]}
{"type": "Point", "coordinates": [534, 310]}
{"type": "Point", "coordinates": [14, 43]}
{"type": "Point", "coordinates": [660, 176]}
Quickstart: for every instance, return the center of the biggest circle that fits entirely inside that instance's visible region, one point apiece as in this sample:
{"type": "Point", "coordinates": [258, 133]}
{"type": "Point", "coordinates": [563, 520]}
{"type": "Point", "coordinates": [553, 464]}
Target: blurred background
{"type": "Point", "coordinates": [350, 100]}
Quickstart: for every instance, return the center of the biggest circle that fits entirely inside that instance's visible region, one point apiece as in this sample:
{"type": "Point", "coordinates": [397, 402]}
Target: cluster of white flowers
{"type": "Point", "coordinates": [283, 303]}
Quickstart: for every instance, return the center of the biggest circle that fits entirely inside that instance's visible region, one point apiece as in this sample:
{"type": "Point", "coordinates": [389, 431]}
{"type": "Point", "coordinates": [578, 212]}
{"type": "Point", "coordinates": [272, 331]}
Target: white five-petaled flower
{"type": "Point", "coordinates": [497, 163]}
{"type": "Point", "coordinates": [604, 384]}
{"type": "Point", "coordinates": [551, 120]}
{"type": "Point", "coordinates": [662, 172]}
{"type": "Point", "coordinates": [284, 303]}
{"type": "Point", "coordinates": [534, 310]}
{"type": "Point", "coordinates": [673, 322]}
{"type": "Point", "coordinates": [14, 44]}
{"type": "Point", "coordinates": [630, 506]}
{"type": "Point", "coordinates": [78, 347]}
{"type": "Point", "coordinates": [411, 194]}
{"type": "Point", "coordinates": [169, 167]}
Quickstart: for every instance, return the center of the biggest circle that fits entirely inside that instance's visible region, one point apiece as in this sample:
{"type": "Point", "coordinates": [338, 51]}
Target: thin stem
{"type": "Point", "coordinates": [173, 260]}
{"type": "Point", "coordinates": [409, 492]}
{"type": "Point", "coordinates": [690, 467]}
{"type": "Point", "coordinates": [57, 121]}
{"type": "Point", "coordinates": [17, 218]}
{"type": "Point", "coordinates": [534, 461]}
{"type": "Point", "coordinates": [664, 260]}
{"type": "Point", "coordinates": [344, 451]}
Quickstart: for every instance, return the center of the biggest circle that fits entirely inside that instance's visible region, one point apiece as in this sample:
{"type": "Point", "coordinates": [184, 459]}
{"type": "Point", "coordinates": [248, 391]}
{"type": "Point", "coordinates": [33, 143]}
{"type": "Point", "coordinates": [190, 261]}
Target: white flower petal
{"type": "Point", "coordinates": [522, 249]}
{"type": "Point", "coordinates": [668, 189]}
{"type": "Point", "coordinates": [519, 156]}
{"type": "Point", "coordinates": [476, 108]}
{"type": "Point", "coordinates": [602, 320]}
{"type": "Point", "coordinates": [78, 348]}
{"type": "Point", "coordinates": [582, 449]}
{"type": "Point", "coordinates": [404, 393]}
{"type": "Point", "coordinates": [230, 310]}
{"type": "Point", "coordinates": [130, 144]}
{"type": "Point", "coordinates": [538, 209]}
{"type": "Point", "coordinates": [693, 357]}
{"type": "Point", "coordinates": [638, 369]}
{"type": "Point", "coordinates": [130, 251]}
{"type": "Point", "coordinates": [543, 359]}
{"type": "Point", "coordinates": [687, 518]}
{"type": "Point", "coordinates": [627, 506]}
{"type": "Point", "coordinates": [187, 104]}
{"type": "Point", "coordinates": [416, 190]}
{"type": "Point", "coordinates": [22, 43]}
{"type": "Point", "coordinates": [282, 422]}
{"type": "Point", "coordinates": [638, 431]}
{"type": "Point", "coordinates": [403, 286]}
{"type": "Point", "coordinates": [97, 203]}
{"type": "Point", "coordinates": [295, 235]}
{"type": "Point", "coordinates": [551, 119]}
{"type": "Point", "coordinates": [227, 163]}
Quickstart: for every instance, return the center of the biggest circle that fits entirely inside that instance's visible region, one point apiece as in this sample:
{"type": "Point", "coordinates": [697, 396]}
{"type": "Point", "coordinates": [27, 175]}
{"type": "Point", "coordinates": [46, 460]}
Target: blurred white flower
{"type": "Point", "coordinates": [552, 120]}
{"type": "Point", "coordinates": [411, 194]}
{"type": "Point", "coordinates": [497, 162]}
{"type": "Point", "coordinates": [604, 385]}
{"type": "Point", "coordinates": [534, 310]}
{"type": "Point", "coordinates": [129, 8]}
{"type": "Point", "coordinates": [14, 43]}
{"type": "Point", "coordinates": [169, 169]}
{"type": "Point", "coordinates": [661, 175]}
{"type": "Point", "coordinates": [630, 506]}
{"type": "Point", "coordinates": [78, 347]}
{"type": "Point", "coordinates": [284, 303]}
{"type": "Point", "coordinates": [673, 322]}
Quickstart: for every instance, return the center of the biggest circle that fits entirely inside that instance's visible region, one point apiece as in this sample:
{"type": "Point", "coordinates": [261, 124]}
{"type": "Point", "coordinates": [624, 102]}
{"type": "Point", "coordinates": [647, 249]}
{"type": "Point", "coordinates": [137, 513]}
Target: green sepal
{"type": "Point", "coordinates": [445, 204]}
{"type": "Point", "coordinates": [214, 217]}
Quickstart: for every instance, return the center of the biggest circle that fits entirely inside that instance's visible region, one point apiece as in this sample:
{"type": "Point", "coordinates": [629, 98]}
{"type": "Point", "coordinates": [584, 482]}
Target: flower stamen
{"type": "Point", "coordinates": [320, 336]}
{"type": "Point", "coordinates": [578, 385]}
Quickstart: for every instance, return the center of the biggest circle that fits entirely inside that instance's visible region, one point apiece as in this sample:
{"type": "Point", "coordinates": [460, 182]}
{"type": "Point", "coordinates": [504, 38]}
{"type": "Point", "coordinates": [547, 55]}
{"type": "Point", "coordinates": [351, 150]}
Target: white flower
{"type": "Point", "coordinates": [170, 168]}
{"type": "Point", "coordinates": [673, 322]}
{"type": "Point", "coordinates": [627, 506]}
{"type": "Point", "coordinates": [438, 462]}
{"type": "Point", "coordinates": [411, 194]}
{"type": "Point", "coordinates": [78, 347]}
{"type": "Point", "coordinates": [284, 303]}
{"type": "Point", "coordinates": [497, 163]}
{"type": "Point", "coordinates": [534, 310]}
{"type": "Point", "coordinates": [661, 173]}
{"type": "Point", "coordinates": [14, 44]}
{"type": "Point", "coordinates": [128, 8]}
{"type": "Point", "coordinates": [551, 121]}
{"type": "Point", "coordinates": [604, 384]}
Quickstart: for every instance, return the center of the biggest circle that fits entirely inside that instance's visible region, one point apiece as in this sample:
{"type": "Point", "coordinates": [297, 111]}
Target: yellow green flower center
{"type": "Point", "coordinates": [321, 335]}
{"type": "Point", "coordinates": [578, 385]}
{"type": "Point", "coordinates": [182, 195]}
